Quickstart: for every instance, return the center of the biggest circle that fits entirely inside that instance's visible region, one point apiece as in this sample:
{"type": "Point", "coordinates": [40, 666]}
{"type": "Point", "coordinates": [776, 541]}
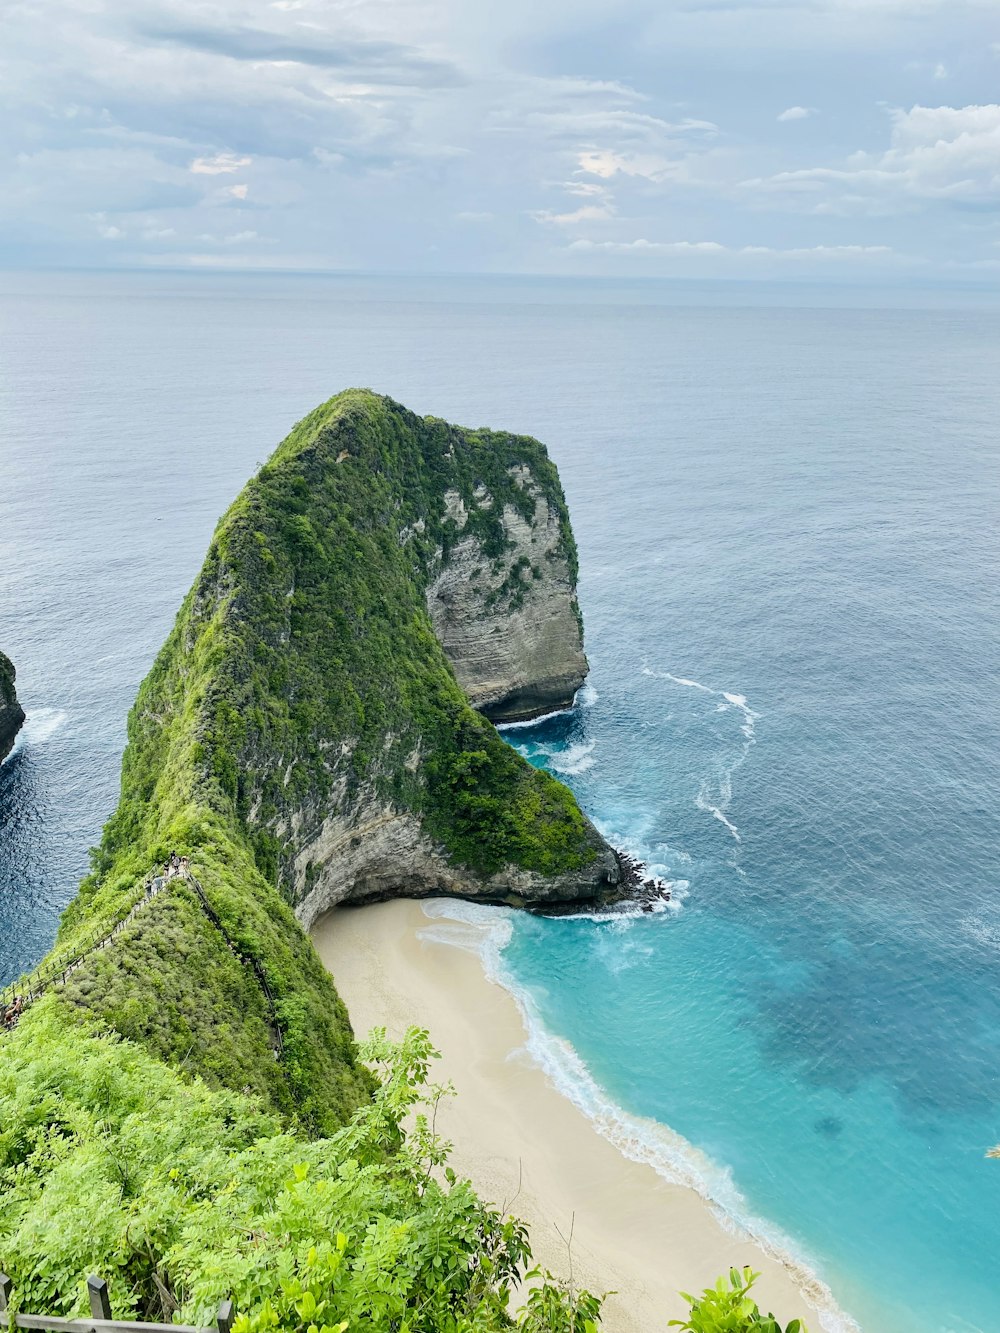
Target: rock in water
{"type": "Point", "coordinates": [11, 712]}
{"type": "Point", "coordinates": [302, 738]}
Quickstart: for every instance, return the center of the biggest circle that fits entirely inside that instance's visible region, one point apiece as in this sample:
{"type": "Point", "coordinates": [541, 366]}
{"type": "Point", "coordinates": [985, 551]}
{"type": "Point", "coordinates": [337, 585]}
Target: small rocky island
{"type": "Point", "coordinates": [11, 712]}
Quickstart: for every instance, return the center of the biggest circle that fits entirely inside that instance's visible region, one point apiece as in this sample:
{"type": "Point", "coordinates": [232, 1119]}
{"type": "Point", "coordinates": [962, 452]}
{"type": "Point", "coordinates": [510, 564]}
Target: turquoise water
{"type": "Point", "coordinates": [787, 521]}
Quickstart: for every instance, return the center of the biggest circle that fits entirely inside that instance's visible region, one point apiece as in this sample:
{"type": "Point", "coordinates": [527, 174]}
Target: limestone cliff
{"type": "Point", "coordinates": [378, 563]}
{"type": "Point", "coordinates": [11, 712]}
{"type": "Point", "coordinates": [303, 738]}
{"type": "Point", "coordinates": [510, 626]}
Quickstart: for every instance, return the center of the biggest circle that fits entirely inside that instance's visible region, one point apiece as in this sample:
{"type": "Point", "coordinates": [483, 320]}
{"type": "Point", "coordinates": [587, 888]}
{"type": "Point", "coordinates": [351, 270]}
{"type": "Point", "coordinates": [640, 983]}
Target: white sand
{"type": "Point", "coordinates": [515, 1135]}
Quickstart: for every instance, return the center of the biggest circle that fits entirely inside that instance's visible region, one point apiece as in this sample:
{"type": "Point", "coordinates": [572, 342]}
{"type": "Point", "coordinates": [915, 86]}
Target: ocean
{"type": "Point", "coordinates": [785, 501]}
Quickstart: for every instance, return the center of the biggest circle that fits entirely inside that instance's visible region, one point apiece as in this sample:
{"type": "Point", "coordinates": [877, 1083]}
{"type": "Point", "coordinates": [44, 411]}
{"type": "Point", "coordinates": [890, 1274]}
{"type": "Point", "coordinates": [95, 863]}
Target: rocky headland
{"type": "Point", "coordinates": [11, 712]}
{"type": "Point", "coordinates": [316, 730]}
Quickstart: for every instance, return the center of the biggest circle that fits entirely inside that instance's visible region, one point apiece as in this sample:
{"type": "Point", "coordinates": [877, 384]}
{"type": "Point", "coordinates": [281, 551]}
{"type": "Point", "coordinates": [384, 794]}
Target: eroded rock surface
{"type": "Point", "coordinates": [374, 852]}
{"type": "Point", "coordinates": [510, 625]}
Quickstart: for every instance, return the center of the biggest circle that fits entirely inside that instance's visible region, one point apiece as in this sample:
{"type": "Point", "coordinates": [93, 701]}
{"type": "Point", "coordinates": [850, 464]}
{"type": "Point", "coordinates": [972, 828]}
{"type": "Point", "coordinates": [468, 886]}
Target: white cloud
{"type": "Point", "coordinates": [606, 163]}
{"type": "Point", "coordinates": [219, 165]}
{"type": "Point", "coordinates": [940, 71]}
{"type": "Point", "coordinates": [585, 213]}
{"type": "Point", "coordinates": [364, 128]}
{"type": "Point", "coordinates": [937, 153]}
{"type": "Point", "coordinates": [641, 246]}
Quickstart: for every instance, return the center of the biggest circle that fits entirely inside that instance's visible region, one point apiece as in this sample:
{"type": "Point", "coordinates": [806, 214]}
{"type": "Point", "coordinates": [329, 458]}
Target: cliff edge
{"type": "Point", "coordinates": [11, 712]}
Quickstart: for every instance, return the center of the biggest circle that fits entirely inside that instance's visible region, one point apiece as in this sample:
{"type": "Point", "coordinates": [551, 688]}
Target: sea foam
{"type": "Point", "coordinates": [717, 803]}
{"type": "Point", "coordinates": [486, 931]}
{"type": "Point", "coordinates": [40, 725]}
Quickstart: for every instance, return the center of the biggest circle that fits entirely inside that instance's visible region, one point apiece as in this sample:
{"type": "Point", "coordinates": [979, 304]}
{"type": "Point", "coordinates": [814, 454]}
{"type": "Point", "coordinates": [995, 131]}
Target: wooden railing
{"type": "Point", "coordinates": [100, 1321]}
{"type": "Point", "coordinates": [15, 999]}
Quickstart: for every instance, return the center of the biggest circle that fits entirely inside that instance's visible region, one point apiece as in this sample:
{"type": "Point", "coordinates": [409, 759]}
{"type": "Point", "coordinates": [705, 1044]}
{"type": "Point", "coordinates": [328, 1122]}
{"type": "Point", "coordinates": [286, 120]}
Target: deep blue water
{"type": "Point", "coordinates": [787, 520]}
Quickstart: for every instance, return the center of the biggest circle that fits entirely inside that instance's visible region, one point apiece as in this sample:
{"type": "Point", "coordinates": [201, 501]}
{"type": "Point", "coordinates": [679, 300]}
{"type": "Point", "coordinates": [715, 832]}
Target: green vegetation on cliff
{"type": "Point", "coordinates": [303, 664]}
{"type": "Point", "coordinates": [181, 1196]}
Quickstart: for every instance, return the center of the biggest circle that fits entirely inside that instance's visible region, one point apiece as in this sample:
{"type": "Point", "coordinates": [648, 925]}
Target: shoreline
{"type": "Point", "coordinates": [528, 1147]}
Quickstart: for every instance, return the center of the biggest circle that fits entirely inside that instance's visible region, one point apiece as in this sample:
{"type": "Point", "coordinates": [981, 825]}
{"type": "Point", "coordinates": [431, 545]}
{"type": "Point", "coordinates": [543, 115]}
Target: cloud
{"type": "Point", "coordinates": [606, 164]}
{"type": "Point", "coordinates": [219, 165]}
{"type": "Point", "coordinates": [355, 133]}
{"type": "Point", "coordinates": [943, 154]}
{"type": "Point", "coordinates": [715, 249]}
{"type": "Point", "coordinates": [385, 61]}
{"type": "Point", "coordinates": [585, 213]}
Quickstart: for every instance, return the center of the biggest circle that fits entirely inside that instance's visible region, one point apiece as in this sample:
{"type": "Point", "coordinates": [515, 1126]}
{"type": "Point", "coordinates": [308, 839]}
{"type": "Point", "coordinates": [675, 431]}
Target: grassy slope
{"type": "Point", "coordinates": [303, 659]}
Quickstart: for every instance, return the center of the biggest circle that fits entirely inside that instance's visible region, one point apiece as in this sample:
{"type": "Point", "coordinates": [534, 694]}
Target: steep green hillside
{"type": "Point", "coordinates": [302, 676]}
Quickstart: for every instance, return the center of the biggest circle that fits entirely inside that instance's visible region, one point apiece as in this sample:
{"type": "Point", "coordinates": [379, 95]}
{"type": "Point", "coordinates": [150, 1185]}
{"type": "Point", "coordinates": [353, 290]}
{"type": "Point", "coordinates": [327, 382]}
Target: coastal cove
{"type": "Point", "coordinates": [615, 1224]}
{"type": "Point", "coordinates": [787, 575]}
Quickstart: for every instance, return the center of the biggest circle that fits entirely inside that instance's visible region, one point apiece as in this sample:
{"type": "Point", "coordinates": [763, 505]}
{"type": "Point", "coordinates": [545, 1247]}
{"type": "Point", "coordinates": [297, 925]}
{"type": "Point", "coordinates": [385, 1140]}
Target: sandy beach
{"type": "Point", "coordinates": [525, 1145]}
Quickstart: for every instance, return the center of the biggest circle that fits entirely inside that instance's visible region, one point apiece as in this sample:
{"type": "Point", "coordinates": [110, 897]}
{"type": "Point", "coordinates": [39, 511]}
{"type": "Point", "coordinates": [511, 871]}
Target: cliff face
{"type": "Point", "coordinates": [304, 739]}
{"type": "Point", "coordinates": [11, 712]}
{"type": "Point", "coordinates": [406, 791]}
{"type": "Point", "coordinates": [510, 627]}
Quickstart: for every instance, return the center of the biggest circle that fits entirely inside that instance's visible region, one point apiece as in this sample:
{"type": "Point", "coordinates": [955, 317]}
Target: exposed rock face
{"type": "Point", "coordinates": [511, 626]}
{"type": "Point", "coordinates": [374, 852]}
{"type": "Point", "coordinates": [11, 712]}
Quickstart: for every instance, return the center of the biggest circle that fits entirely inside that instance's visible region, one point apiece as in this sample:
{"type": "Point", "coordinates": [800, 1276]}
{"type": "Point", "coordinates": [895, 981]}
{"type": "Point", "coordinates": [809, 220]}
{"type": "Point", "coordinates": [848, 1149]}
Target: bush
{"type": "Point", "coordinates": [728, 1308]}
{"type": "Point", "coordinates": [181, 1196]}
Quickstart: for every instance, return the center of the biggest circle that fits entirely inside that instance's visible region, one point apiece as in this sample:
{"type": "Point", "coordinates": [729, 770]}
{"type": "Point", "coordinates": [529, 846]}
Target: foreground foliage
{"type": "Point", "coordinates": [181, 1195]}
{"type": "Point", "coordinates": [728, 1307]}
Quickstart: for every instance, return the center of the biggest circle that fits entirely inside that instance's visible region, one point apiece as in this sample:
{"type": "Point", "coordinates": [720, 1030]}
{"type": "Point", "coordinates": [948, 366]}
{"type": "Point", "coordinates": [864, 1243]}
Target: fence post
{"type": "Point", "coordinates": [224, 1319]}
{"type": "Point", "coordinates": [100, 1301]}
{"type": "Point", "coordinates": [5, 1288]}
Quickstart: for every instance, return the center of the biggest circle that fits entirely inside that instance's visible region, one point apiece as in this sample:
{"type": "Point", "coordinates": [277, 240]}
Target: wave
{"type": "Point", "coordinates": [574, 759]}
{"type": "Point", "coordinates": [585, 697]}
{"type": "Point", "coordinates": [703, 803]}
{"type": "Point", "coordinates": [40, 725]}
{"type": "Point", "coordinates": [718, 807]}
{"type": "Point", "coordinates": [486, 931]}
{"type": "Point", "coordinates": [982, 931]}
{"type": "Point", "coordinates": [534, 721]}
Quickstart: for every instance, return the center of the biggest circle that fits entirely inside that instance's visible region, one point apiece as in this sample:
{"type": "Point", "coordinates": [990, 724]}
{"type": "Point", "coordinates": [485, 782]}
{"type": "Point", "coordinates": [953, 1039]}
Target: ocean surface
{"type": "Point", "coordinates": [786, 507]}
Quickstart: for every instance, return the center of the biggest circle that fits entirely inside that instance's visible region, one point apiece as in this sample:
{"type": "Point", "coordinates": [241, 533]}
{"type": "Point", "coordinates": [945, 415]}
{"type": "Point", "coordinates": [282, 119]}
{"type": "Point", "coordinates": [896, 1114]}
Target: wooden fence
{"type": "Point", "coordinates": [100, 1321]}
{"type": "Point", "coordinates": [16, 998]}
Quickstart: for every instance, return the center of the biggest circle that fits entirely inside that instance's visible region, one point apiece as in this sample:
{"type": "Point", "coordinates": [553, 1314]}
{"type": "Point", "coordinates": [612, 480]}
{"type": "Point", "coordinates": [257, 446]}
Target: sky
{"type": "Point", "coordinates": [685, 138]}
